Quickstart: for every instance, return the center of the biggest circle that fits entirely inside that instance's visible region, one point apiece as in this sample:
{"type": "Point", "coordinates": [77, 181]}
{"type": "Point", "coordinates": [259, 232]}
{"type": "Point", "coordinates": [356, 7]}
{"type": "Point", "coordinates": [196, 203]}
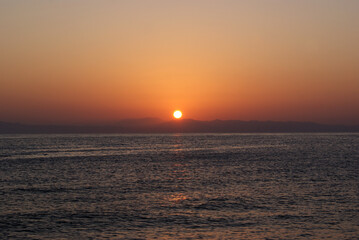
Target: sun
{"type": "Point", "coordinates": [177, 114]}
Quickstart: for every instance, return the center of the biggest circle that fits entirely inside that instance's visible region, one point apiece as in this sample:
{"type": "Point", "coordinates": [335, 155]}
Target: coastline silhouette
{"type": "Point", "coordinates": [155, 125]}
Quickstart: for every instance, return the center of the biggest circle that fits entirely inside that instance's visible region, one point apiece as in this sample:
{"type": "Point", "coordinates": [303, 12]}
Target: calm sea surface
{"type": "Point", "coordinates": [209, 186]}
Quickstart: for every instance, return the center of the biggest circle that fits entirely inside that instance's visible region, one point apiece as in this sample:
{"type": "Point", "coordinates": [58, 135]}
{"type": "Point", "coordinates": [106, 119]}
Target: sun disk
{"type": "Point", "coordinates": [177, 114]}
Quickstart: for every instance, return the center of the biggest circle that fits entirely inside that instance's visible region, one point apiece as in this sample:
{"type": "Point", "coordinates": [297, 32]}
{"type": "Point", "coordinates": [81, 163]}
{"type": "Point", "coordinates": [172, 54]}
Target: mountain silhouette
{"type": "Point", "coordinates": [155, 125]}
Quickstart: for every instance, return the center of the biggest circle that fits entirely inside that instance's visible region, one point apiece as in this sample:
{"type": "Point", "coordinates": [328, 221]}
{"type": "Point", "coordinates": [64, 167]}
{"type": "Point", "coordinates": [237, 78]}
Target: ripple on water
{"type": "Point", "coordinates": [288, 186]}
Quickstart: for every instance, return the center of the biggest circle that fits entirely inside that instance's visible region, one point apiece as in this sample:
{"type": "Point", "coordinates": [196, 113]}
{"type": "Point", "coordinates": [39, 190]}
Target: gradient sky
{"type": "Point", "coordinates": [96, 61]}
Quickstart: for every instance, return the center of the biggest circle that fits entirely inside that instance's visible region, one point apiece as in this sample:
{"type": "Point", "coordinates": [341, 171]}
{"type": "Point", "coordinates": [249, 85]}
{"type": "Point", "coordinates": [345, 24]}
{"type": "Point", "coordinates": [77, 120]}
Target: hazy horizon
{"type": "Point", "coordinates": [161, 120]}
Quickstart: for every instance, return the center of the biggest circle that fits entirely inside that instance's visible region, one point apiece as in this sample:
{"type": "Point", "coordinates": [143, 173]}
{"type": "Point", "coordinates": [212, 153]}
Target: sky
{"type": "Point", "coordinates": [101, 61]}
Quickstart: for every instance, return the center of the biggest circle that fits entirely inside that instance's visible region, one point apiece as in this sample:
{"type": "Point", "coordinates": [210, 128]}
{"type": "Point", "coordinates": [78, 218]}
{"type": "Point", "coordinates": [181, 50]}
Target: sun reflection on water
{"type": "Point", "coordinates": [177, 198]}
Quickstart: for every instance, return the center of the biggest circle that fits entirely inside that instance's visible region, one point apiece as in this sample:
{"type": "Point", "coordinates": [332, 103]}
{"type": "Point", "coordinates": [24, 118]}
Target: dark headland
{"type": "Point", "coordinates": [154, 125]}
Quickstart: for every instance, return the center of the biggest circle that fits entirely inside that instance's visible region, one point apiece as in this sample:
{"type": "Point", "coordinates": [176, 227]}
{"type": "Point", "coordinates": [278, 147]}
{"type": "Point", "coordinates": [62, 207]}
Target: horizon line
{"type": "Point", "coordinates": [109, 122]}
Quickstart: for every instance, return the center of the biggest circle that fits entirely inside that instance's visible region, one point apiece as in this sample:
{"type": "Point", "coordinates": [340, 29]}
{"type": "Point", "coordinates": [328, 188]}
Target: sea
{"type": "Point", "coordinates": [180, 186]}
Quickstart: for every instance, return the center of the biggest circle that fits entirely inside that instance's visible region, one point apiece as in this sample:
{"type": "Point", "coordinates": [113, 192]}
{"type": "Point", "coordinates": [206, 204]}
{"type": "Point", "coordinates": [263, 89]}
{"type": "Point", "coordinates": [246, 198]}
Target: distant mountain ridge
{"type": "Point", "coordinates": [154, 125]}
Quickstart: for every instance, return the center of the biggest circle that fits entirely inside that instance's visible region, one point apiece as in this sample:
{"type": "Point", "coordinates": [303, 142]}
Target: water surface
{"type": "Point", "coordinates": [210, 186]}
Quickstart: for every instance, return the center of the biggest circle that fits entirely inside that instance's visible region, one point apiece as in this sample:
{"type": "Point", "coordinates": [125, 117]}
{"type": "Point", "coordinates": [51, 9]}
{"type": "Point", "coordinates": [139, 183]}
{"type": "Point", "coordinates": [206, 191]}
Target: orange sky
{"type": "Point", "coordinates": [96, 61]}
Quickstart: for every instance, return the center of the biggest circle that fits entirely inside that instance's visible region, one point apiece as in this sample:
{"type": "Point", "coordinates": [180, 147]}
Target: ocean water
{"type": "Point", "coordinates": [179, 186]}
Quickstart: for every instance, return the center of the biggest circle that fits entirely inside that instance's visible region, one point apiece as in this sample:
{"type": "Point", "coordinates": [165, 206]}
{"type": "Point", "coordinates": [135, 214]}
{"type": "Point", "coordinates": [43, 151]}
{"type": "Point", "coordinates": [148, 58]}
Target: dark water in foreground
{"type": "Point", "coordinates": [273, 186]}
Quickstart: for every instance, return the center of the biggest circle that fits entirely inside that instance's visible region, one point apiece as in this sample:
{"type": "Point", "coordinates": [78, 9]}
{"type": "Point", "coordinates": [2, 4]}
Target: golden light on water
{"type": "Point", "coordinates": [177, 114]}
